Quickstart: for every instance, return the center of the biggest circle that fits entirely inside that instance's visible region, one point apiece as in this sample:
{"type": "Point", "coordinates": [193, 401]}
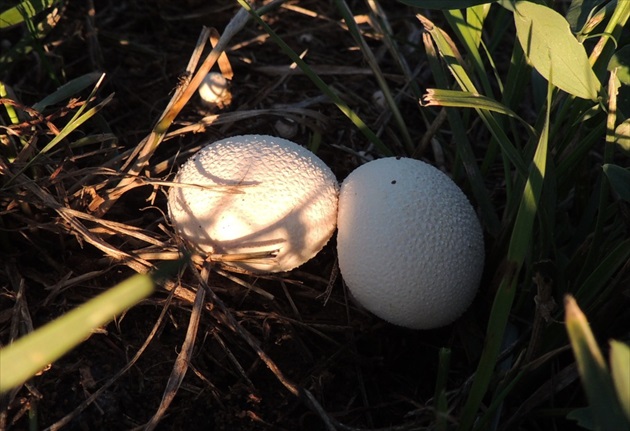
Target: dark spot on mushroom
{"type": "Point", "coordinates": [398, 157]}
{"type": "Point", "coordinates": [393, 181]}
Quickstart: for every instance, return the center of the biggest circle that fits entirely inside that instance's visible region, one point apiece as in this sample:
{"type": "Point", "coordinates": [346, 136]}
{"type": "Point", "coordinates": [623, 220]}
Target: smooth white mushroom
{"type": "Point", "coordinates": [214, 91]}
{"type": "Point", "coordinates": [255, 195]}
{"type": "Point", "coordinates": [409, 243]}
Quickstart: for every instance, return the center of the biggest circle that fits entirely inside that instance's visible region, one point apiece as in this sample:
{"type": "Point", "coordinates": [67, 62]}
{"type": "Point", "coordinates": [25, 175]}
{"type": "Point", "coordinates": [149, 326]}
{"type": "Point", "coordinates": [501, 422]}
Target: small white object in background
{"type": "Point", "coordinates": [255, 194]}
{"type": "Point", "coordinates": [286, 128]}
{"type": "Point", "coordinates": [409, 243]}
{"type": "Point", "coordinates": [378, 98]}
{"type": "Point", "coordinates": [214, 91]}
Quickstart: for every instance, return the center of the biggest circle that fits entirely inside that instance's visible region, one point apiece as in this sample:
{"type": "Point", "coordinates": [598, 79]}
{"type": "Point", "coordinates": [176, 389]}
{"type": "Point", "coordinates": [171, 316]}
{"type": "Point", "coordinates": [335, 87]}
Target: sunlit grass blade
{"type": "Point", "coordinates": [323, 87]}
{"type": "Point", "coordinates": [604, 407]}
{"type": "Point", "coordinates": [465, 152]}
{"type": "Point", "coordinates": [620, 369]}
{"type": "Point", "coordinates": [476, 17]}
{"type": "Point", "coordinates": [518, 249]}
{"type": "Point", "coordinates": [453, 60]}
{"type": "Point", "coordinates": [464, 99]}
{"type": "Point", "coordinates": [77, 120]}
{"type": "Point", "coordinates": [24, 10]}
{"type": "Point", "coordinates": [30, 354]}
{"type": "Point", "coordinates": [11, 113]}
{"type": "Point", "coordinates": [469, 37]}
{"type": "Point", "coordinates": [603, 51]}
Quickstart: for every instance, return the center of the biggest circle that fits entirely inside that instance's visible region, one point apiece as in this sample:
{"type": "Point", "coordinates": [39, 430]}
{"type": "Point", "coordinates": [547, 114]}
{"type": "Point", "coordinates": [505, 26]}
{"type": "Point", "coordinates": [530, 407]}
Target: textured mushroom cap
{"type": "Point", "coordinates": [409, 243]}
{"type": "Point", "coordinates": [262, 194]}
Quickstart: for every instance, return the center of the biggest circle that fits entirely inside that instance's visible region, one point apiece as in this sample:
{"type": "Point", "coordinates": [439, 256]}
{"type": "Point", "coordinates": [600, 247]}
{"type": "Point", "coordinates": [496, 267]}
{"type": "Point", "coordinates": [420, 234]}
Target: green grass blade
{"type": "Point", "coordinates": [594, 286]}
{"type": "Point", "coordinates": [619, 179]}
{"type": "Point", "coordinates": [464, 99]}
{"type": "Point", "coordinates": [30, 354]}
{"type": "Point", "coordinates": [519, 246]}
{"type": "Point", "coordinates": [598, 235]}
{"type": "Point", "coordinates": [620, 369]}
{"type": "Point", "coordinates": [605, 410]}
{"type": "Point", "coordinates": [489, 217]}
{"type": "Point", "coordinates": [453, 60]}
{"type": "Point", "coordinates": [580, 12]}
{"type": "Point", "coordinates": [13, 117]}
{"type": "Point", "coordinates": [72, 125]}
{"type": "Point", "coordinates": [497, 322]}
{"type": "Point", "coordinates": [323, 87]}
{"type": "Point", "coordinates": [24, 10]}
{"type": "Point", "coordinates": [441, 403]}
{"type": "Point", "coordinates": [469, 37]}
{"type": "Point", "coordinates": [606, 46]}
{"type": "Point", "coordinates": [449, 53]}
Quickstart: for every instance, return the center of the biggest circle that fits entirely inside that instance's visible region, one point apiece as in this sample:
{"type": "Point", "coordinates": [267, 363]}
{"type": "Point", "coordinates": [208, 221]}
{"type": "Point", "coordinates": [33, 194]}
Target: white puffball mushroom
{"type": "Point", "coordinates": [255, 194]}
{"type": "Point", "coordinates": [214, 91]}
{"type": "Point", "coordinates": [409, 243]}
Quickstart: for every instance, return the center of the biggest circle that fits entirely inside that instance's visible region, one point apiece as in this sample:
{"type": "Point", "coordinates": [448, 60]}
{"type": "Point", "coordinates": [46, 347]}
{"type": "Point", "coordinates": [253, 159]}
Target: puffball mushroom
{"type": "Point", "coordinates": [409, 243]}
{"type": "Point", "coordinates": [255, 195]}
{"type": "Point", "coordinates": [214, 91]}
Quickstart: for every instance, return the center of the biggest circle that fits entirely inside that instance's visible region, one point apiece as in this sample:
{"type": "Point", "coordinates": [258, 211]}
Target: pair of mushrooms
{"type": "Point", "coordinates": [409, 244]}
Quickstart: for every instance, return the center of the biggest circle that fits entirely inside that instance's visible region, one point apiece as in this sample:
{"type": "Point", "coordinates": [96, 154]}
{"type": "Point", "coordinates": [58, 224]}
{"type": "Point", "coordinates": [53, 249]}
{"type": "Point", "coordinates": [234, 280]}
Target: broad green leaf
{"type": "Point", "coordinates": [30, 354]}
{"type": "Point", "coordinates": [553, 51]}
{"type": "Point", "coordinates": [619, 179]}
{"type": "Point", "coordinates": [621, 61]}
{"type": "Point", "coordinates": [596, 380]}
{"type": "Point", "coordinates": [445, 4]}
{"type": "Point", "coordinates": [24, 10]}
{"type": "Point", "coordinates": [620, 368]}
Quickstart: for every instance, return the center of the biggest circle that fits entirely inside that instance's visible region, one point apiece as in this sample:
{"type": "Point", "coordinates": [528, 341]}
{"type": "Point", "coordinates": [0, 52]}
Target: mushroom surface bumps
{"type": "Point", "coordinates": [255, 194]}
{"type": "Point", "coordinates": [409, 243]}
